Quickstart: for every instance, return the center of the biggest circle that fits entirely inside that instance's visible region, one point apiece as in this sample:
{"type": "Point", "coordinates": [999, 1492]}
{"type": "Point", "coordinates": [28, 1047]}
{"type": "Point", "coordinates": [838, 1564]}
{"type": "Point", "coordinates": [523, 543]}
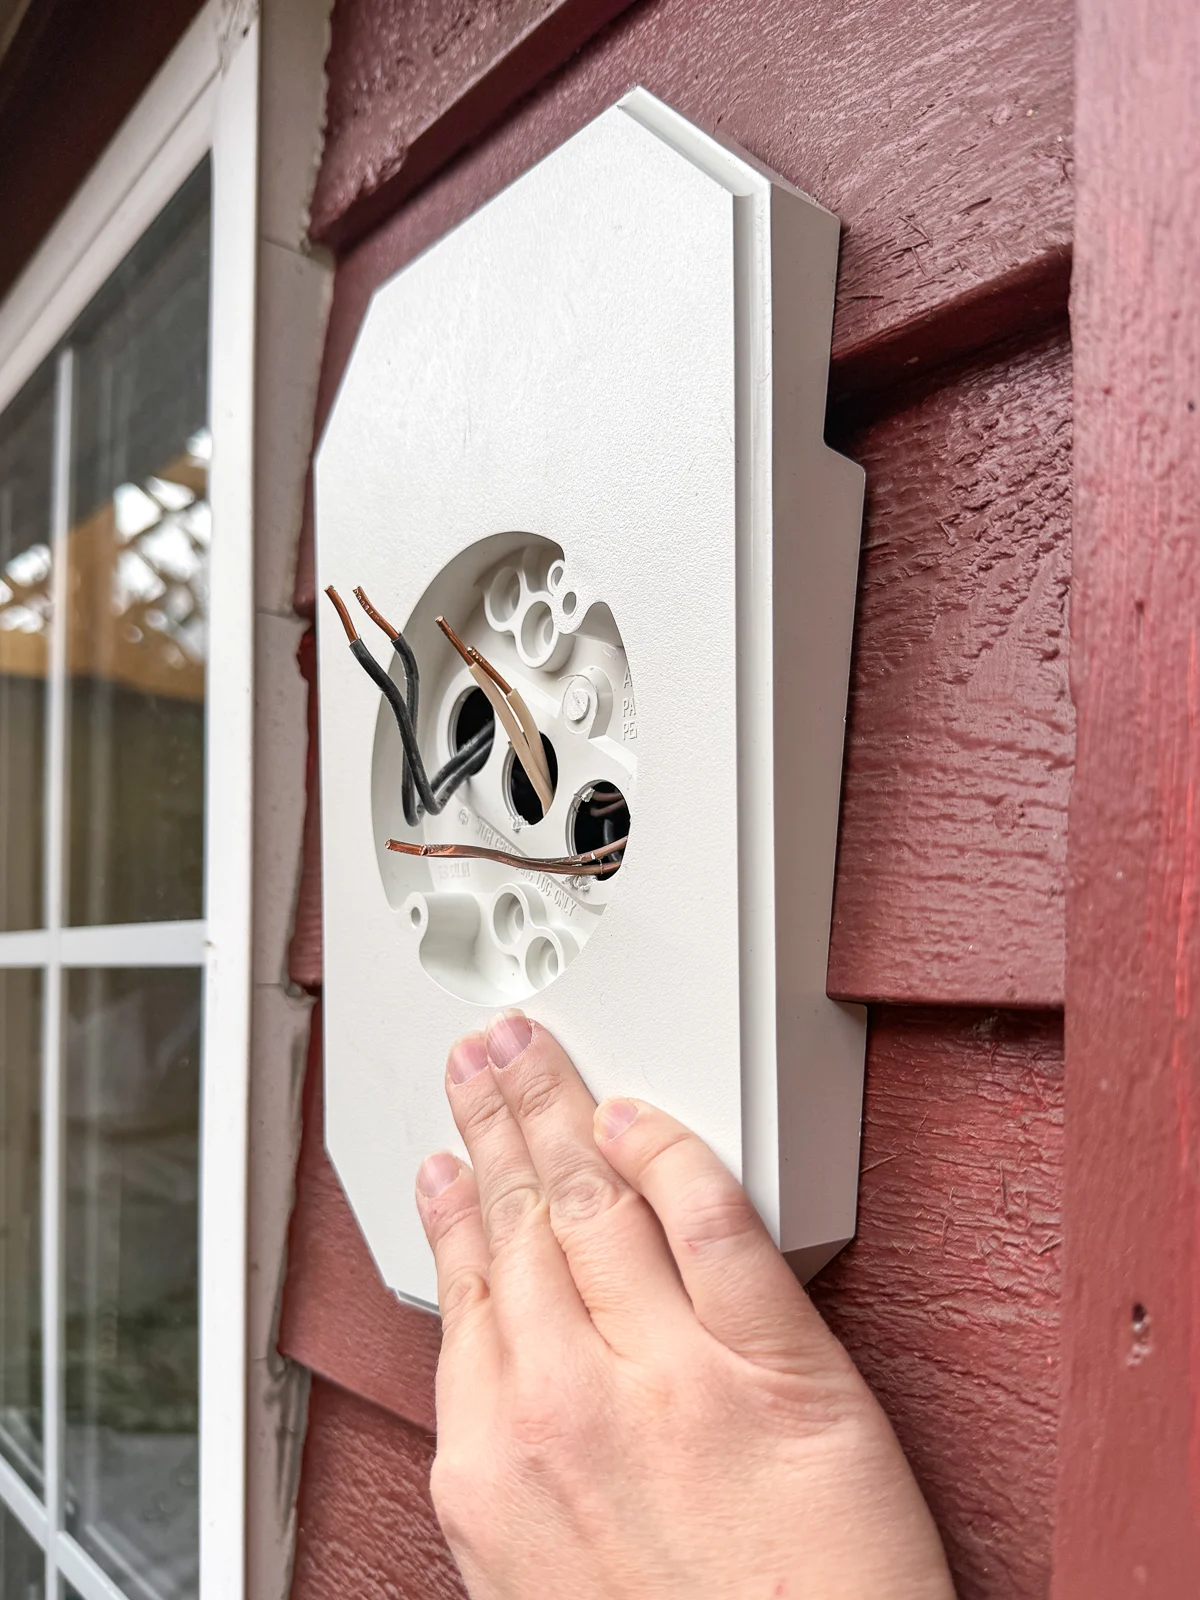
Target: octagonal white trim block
{"type": "Point", "coordinates": [625, 353]}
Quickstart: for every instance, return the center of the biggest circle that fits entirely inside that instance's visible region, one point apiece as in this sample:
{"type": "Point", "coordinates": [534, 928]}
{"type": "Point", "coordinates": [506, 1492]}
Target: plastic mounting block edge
{"type": "Point", "coordinates": [618, 365]}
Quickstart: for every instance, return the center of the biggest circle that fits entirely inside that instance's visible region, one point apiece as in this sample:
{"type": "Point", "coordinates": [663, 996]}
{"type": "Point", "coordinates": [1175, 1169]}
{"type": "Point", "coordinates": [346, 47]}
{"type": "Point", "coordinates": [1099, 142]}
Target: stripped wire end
{"type": "Point", "coordinates": [360, 594]}
{"type": "Point", "coordinates": [347, 620]}
{"type": "Point", "coordinates": [473, 657]}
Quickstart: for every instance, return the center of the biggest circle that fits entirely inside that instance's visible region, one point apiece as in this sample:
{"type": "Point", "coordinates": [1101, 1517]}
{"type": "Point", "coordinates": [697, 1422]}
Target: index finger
{"type": "Point", "coordinates": [615, 1249]}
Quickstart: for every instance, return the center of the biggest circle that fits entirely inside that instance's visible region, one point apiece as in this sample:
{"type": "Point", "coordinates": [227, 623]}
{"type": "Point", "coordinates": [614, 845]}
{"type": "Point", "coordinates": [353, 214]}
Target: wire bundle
{"type": "Point", "coordinates": [420, 794]}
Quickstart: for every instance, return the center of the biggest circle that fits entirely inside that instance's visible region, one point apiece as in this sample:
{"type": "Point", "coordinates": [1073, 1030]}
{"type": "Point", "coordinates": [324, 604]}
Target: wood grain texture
{"type": "Point", "coordinates": [952, 849]}
{"type": "Point", "coordinates": [1129, 1491]}
{"type": "Point", "coordinates": [409, 85]}
{"type": "Point", "coordinates": [947, 1298]}
{"type": "Point", "coordinates": [938, 131]}
{"type": "Point", "coordinates": [958, 758]}
{"type": "Point", "coordinates": [338, 1318]}
{"type": "Point", "coordinates": [365, 1525]}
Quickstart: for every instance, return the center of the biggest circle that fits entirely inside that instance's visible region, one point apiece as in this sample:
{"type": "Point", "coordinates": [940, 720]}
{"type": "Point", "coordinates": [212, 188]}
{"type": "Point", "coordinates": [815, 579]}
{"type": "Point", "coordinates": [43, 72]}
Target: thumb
{"type": "Point", "coordinates": [742, 1289]}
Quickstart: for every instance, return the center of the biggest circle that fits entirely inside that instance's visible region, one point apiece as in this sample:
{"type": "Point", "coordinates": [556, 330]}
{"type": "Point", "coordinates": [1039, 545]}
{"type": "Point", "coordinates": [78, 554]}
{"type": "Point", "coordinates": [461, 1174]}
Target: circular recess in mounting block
{"type": "Point", "coordinates": [486, 931]}
{"type": "Point", "coordinates": [602, 818]}
{"type": "Point", "coordinates": [522, 796]}
{"type": "Point", "coordinates": [470, 716]}
{"type": "Point", "coordinates": [542, 963]}
{"type": "Point", "coordinates": [537, 630]}
{"type": "Point", "coordinates": [508, 918]}
{"type": "Point", "coordinates": [506, 594]}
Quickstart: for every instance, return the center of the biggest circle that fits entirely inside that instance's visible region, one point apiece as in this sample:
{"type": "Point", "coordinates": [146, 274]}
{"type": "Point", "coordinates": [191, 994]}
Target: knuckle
{"type": "Point", "coordinates": [715, 1212]}
{"type": "Point", "coordinates": [540, 1430]}
{"type": "Point", "coordinates": [534, 1093]}
{"type": "Point", "coordinates": [480, 1114]}
{"type": "Point", "coordinates": [508, 1211]}
{"type": "Point", "coordinates": [454, 1487]}
{"type": "Point", "coordinates": [462, 1292]}
{"type": "Point", "coordinates": [583, 1195]}
{"type": "Point", "coordinates": [663, 1155]}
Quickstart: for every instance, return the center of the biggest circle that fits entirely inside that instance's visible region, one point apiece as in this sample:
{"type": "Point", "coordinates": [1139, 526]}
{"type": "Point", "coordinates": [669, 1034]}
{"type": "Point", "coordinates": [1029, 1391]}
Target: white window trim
{"type": "Point", "coordinates": [204, 99]}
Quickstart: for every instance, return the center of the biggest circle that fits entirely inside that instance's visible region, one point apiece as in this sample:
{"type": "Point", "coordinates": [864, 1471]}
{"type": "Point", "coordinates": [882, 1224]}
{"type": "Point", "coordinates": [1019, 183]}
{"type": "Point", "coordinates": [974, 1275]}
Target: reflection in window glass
{"type": "Point", "coordinates": [22, 1564]}
{"type": "Point", "coordinates": [20, 1234]}
{"type": "Point", "coordinates": [138, 578]}
{"type": "Point", "coordinates": [132, 1151]}
{"type": "Point", "coordinates": [26, 468]}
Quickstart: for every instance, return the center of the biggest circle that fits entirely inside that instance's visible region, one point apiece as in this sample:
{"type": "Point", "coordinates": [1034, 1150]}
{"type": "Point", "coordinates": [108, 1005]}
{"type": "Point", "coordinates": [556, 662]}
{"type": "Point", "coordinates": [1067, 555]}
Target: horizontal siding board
{"type": "Point", "coordinates": [365, 1528]}
{"type": "Point", "coordinates": [960, 741]}
{"type": "Point", "coordinates": [947, 1299]}
{"type": "Point", "coordinates": [941, 135]}
{"type": "Point", "coordinates": [409, 85]}
{"type": "Point", "coordinates": [960, 738]}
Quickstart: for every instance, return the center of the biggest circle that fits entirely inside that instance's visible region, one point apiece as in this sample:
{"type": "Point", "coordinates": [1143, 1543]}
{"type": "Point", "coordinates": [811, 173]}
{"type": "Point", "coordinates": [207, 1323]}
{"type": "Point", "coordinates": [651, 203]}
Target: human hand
{"type": "Point", "coordinates": [635, 1398]}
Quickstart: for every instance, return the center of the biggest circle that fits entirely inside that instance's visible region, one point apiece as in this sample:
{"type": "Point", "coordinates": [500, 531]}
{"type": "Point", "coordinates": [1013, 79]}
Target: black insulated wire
{"type": "Point", "coordinates": [421, 795]}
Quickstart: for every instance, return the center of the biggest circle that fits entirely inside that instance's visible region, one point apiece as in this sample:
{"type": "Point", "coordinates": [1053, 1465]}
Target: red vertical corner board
{"type": "Point", "coordinates": [1128, 1513]}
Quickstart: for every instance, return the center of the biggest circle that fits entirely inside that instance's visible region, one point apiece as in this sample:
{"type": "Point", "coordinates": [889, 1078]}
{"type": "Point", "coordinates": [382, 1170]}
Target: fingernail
{"type": "Point", "coordinates": [437, 1174]}
{"type": "Point", "coordinates": [508, 1034]}
{"type": "Point", "coordinates": [469, 1056]}
{"type": "Point", "coordinates": [613, 1117]}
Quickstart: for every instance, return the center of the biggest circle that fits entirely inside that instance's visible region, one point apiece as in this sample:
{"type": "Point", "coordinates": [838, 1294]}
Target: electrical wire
{"type": "Point", "coordinates": [587, 864]}
{"type": "Point", "coordinates": [412, 682]}
{"type": "Point", "coordinates": [515, 716]}
{"type": "Point", "coordinates": [423, 794]}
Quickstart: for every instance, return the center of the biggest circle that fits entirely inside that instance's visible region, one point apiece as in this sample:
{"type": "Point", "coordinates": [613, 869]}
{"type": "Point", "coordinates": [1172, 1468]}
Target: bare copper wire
{"type": "Point", "coordinates": [588, 864]}
{"type": "Point", "coordinates": [347, 620]}
{"type": "Point", "coordinates": [474, 657]}
{"type": "Point", "coordinates": [360, 595]}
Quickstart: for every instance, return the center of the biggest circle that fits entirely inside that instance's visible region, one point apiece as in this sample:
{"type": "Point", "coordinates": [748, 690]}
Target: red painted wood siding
{"type": "Point", "coordinates": [942, 136]}
{"type": "Point", "coordinates": [1129, 1493]}
{"type": "Point", "coordinates": [948, 1297]}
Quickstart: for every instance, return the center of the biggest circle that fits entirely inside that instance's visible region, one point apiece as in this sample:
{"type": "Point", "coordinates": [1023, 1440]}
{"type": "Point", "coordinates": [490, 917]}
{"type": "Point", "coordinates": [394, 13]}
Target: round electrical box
{"type": "Point", "coordinates": [486, 931]}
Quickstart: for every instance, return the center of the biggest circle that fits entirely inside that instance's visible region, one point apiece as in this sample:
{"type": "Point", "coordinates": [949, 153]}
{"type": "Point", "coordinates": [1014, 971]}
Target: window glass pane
{"type": "Point", "coordinates": [26, 467]}
{"type": "Point", "coordinates": [138, 578]}
{"type": "Point", "coordinates": [22, 1564]}
{"type": "Point", "coordinates": [20, 1233]}
{"type": "Point", "coordinates": [132, 1153]}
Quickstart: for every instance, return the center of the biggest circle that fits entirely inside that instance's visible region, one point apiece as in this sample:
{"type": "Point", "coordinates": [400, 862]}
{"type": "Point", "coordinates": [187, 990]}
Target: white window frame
{"type": "Point", "coordinates": [204, 100]}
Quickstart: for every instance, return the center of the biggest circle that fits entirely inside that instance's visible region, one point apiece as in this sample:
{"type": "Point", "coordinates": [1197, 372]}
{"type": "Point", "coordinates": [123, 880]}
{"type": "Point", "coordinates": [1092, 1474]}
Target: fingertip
{"type": "Point", "coordinates": [509, 1034]}
{"type": "Point", "coordinates": [436, 1174]}
{"type": "Point", "coordinates": [468, 1057]}
{"type": "Point", "coordinates": [613, 1117]}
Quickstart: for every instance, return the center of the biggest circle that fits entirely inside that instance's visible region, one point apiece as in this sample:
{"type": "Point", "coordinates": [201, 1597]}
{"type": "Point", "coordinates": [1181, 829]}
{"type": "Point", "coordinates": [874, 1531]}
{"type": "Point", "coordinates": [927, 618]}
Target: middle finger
{"type": "Point", "coordinates": [614, 1244]}
{"type": "Point", "coordinates": [530, 1280]}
